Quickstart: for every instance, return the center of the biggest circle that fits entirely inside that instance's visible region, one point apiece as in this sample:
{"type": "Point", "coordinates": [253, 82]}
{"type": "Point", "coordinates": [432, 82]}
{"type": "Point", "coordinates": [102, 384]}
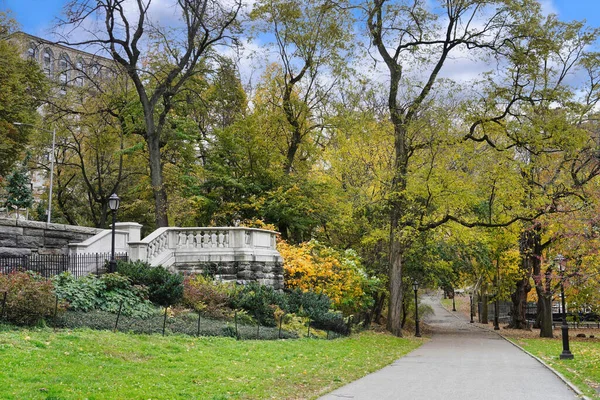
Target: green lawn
{"type": "Point", "coordinates": [87, 364]}
{"type": "Point", "coordinates": [583, 371]}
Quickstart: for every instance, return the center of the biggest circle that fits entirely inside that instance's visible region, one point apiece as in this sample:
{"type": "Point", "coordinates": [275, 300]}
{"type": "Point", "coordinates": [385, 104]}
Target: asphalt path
{"type": "Point", "coordinates": [460, 362]}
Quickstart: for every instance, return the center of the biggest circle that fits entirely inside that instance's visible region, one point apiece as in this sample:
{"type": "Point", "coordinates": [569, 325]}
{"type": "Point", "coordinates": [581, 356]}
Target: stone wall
{"type": "Point", "coordinates": [268, 273]}
{"type": "Point", "coordinates": [18, 238]}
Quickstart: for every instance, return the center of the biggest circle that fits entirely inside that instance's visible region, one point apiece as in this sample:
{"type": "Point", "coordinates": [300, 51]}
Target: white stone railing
{"type": "Point", "coordinates": [171, 246]}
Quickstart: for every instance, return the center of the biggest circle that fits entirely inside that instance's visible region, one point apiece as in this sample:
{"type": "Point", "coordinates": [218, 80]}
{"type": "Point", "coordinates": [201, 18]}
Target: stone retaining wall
{"type": "Point", "coordinates": [268, 273]}
{"type": "Point", "coordinates": [18, 238]}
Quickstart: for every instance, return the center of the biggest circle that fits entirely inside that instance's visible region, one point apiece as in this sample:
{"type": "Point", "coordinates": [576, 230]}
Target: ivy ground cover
{"type": "Point", "coordinates": [583, 371]}
{"type": "Point", "coordinates": [41, 364]}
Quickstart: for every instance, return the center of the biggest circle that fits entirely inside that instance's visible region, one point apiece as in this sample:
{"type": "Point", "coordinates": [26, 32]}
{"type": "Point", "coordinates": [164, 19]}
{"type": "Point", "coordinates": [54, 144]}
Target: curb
{"type": "Point", "coordinates": [571, 386]}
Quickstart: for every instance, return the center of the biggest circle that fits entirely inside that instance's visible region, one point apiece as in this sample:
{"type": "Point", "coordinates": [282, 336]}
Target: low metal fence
{"type": "Point", "coordinates": [48, 265]}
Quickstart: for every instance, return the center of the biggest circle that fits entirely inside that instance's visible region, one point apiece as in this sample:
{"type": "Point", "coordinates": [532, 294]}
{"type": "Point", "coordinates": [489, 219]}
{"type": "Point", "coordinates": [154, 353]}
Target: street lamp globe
{"type": "Point", "coordinates": [113, 202]}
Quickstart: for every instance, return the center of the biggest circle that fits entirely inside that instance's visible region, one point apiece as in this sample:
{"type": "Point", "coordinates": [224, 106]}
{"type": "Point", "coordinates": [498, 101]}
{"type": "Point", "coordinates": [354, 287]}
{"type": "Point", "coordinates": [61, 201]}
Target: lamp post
{"type": "Point", "coordinates": [113, 204]}
{"type": "Point", "coordinates": [53, 131]}
{"type": "Point", "coordinates": [497, 299]}
{"type": "Point", "coordinates": [566, 353]}
{"type": "Point", "coordinates": [471, 306]}
{"type": "Point", "coordinates": [416, 289]}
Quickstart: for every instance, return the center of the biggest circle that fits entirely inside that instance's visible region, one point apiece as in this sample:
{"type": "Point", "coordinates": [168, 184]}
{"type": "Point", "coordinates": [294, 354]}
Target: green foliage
{"type": "Point", "coordinates": [22, 90]}
{"type": "Point", "coordinates": [258, 300]}
{"type": "Point", "coordinates": [107, 293]}
{"type": "Point", "coordinates": [81, 294]}
{"type": "Point", "coordinates": [263, 303]}
{"type": "Point", "coordinates": [19, 193]}
{"type": "Point", "coordinates": [29, 298]}
{"type": "Point", "coordinates": [164, 288]}
{"type": "Point", "coordinates": [318, 308]}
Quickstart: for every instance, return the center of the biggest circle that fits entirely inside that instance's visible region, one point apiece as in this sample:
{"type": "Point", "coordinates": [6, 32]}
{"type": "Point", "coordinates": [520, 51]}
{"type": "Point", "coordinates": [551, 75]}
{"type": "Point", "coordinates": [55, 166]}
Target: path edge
{"type": "Point", "coordinates": [574, 388]}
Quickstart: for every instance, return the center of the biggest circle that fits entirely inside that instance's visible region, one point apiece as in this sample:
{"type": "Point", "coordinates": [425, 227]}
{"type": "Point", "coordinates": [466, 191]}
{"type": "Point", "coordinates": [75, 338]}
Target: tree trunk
{"type": "Point", "coordinates": [518, 319]}
{"type": "Point", "coordinates": [545, 301]}
{"type": "Point", "coordinates": [394, 322]}
{"type": "Point", "coordinates": [404, 312]}
{"type": "Point", "coordinates": [530, 248]}
{"type": "Point", "coordinates": [484, 309]}
{"type": "Point", "coordinates": [156, 178]}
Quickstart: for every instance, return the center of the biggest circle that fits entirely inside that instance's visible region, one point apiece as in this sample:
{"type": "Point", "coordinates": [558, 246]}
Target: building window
{"type": "Point", "coordinates": [79, 73]}
{"type": "Point", "coordinates": [63, 66]}
{"type": "Point", "coordinates": [31, 52]}
{"type": "Point", "coordinates": [47, 62]}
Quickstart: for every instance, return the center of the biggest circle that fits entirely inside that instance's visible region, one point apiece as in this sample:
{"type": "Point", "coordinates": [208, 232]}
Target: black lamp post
{"type": "Point", "coordinates": [497, 299]}
{"type": "Point", "coordinates": [471, 306]}
{"type": "Point", "coordinates": [416, 288]}
{"type": "Point", "coordinates": [566, 353]}
{"type": "Point", "coordinates": [453, 303]}
{"type": "Point", "coordinates": [113, 204]}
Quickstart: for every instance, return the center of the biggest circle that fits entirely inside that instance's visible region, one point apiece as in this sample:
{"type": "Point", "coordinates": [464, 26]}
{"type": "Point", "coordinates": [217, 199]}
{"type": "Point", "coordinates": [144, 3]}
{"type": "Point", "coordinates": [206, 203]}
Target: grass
{"type": "Point", "coordinates": [583, 371]}
{"type": "Point", "coordinates": [41, 364]}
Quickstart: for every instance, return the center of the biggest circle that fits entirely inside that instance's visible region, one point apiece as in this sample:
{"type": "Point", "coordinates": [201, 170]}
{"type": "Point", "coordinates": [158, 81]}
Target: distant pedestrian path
{"type": "Point", "coordinates": [460, 362]}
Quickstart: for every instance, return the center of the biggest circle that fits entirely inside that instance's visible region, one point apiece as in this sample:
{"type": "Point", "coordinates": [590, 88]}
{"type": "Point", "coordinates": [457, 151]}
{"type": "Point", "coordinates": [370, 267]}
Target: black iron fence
{"type": "Point", "coordinates": [48, 265]}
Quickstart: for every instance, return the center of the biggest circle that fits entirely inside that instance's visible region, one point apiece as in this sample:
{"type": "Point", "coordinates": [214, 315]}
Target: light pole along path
{"type": "Point", "coordinates": [460, 362]}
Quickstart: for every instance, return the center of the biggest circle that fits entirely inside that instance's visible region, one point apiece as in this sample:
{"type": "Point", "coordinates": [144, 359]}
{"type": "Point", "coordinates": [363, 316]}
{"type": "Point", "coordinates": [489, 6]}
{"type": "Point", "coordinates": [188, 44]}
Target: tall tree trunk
{"type": "Point", "coordinates": [484, 309]}
{"type": "Point", "coordinates": [404, 312]}
{"type": "Point", "coordinates": [156, 179]}
{"type": "Point", "coordinates": [518, 319]}
{"type": "Point", "coordinates": [394, 321]}
{"type": "Point", "coordinates": [545, 301]}
{"type": "Point", "coordinates": [530, 248]}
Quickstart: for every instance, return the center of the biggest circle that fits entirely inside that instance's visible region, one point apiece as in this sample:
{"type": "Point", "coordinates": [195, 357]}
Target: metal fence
{"type": "Point", "coordinates": [48, 265]}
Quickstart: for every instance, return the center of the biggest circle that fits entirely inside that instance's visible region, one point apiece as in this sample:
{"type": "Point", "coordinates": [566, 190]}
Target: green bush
{"type": "Point", "coordinates": [164, 288]}
{"type": "Point", "coordinates": [318, 308]}
{"type": "Point", "coordinates": [81, 294]}
{"type": "Point", "coordinates": [258, 300]}
{"type": "Point", "coordinates": [202, 293]}
{"type": "Point", "coordinates": [29, 298]}
{"type": "Point", "coordinates": [107, 293]}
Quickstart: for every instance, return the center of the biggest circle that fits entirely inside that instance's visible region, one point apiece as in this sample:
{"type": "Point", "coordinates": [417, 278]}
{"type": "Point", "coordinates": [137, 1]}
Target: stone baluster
{"type": "Point", "coordinates": [221, 239]}
{"type": "Point", "coordinates": [198, 236]}
{"type": "Point", "coordinates": [190, 240]}
{"type": "Point", "coordinates": [181, 239]}
{"type": "Point", "coordinates": [213, 239]}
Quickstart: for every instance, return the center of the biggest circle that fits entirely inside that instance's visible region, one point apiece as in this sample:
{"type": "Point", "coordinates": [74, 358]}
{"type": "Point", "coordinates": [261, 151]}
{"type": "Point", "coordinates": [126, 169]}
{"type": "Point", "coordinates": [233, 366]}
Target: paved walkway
{"type": "Point", "coordinates": [460, 362]}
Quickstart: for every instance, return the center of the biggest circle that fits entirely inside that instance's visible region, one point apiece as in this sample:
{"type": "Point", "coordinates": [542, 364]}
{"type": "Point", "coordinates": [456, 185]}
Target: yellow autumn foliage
{"type": "Point", "coordinates": [321, 269]}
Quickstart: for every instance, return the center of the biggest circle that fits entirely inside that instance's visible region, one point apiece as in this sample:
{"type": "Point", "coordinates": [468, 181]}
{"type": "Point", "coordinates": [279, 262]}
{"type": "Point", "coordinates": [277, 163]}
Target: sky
{"type": "Point", "coordinates": [36, 16]}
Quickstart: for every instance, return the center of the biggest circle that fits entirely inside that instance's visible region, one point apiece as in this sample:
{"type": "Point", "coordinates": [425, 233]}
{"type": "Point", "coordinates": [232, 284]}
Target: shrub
{"type": "Point", "coordinates": [257, 300]}
{"type": "Point", "coordinates": [201, 293]}
{"type": "Point", "coordinates": [106, 293]}
{"type": "Point", "coordinates": [29, 298]}
{"type": "Point", "coordinates": [317, 308]}
{"type": "Point", "coordinates": [312, 266]}
{"type": "Point", "coordinates": [164, 288]}
{"type": "Point", "coordinates": [81, 294]}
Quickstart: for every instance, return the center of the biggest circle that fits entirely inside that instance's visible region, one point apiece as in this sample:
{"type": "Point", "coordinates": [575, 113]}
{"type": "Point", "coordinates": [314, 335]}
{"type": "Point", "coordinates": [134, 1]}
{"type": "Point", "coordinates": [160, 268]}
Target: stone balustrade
{"type": "Point", "coordinates": [231, 254]}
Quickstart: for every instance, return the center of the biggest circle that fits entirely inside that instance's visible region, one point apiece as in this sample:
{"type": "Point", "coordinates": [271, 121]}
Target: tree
{"type": "Point", "coordinates": [409, 31]}
{"type": "Point", "coordinates": [311, 39]}
{"type": "Point", "coordinates": [131, 36]}
{"type": "Point", "coordinates": [18, 188]}
{"type": "Point", "coordinates": [22, 88]}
